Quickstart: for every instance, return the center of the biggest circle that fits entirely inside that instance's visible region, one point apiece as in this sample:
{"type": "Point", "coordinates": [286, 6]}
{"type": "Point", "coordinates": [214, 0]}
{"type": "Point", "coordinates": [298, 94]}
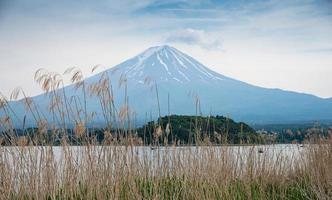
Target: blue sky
{"type": "Point", "coordinates": [275, 44]}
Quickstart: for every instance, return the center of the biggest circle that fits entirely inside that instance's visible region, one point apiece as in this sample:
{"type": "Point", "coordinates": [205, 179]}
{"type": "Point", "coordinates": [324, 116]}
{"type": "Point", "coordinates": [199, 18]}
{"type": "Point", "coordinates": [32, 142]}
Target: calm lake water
{"type": "Point", "coordinates": [238, 159]}
{"type": "Point", "coordinates": [288, 152]}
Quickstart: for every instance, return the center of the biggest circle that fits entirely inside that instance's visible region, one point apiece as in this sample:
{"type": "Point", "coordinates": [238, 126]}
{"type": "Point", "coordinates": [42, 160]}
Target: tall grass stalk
{"type": "Point", "coordinates": [137, 172]}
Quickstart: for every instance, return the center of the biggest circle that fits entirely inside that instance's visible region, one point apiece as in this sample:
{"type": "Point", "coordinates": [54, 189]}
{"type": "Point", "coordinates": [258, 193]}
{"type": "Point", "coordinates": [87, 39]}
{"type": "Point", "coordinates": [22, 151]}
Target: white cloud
{"type": "Point", "coordinates": [194, 37]}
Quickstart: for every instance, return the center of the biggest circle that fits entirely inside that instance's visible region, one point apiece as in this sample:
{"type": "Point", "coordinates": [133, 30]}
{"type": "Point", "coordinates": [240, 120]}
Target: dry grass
{"type": "Point", "coordinates": [131, 172]}
{"type": "Point", "coordinates": [117, 169]}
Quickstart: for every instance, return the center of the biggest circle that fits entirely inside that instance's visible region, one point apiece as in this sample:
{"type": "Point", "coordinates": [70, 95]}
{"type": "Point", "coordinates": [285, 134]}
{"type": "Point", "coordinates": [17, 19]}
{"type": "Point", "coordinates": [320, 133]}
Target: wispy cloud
{"type": "Point", "coordinates": [194, 37]}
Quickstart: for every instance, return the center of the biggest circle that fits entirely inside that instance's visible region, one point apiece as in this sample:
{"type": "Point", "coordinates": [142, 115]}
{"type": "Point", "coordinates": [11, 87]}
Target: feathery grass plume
{"type": "Point", "coordinates": [217, 136]}
{"type": "Point", "coordinates": [22, 141]}
{"type": "Point", "coordinates": [158, 132]}
{"type": "Point", "coordinates": [44, 79]}
{"type": "Point", "coordinates": [78, 79]}
{"type": "Point", "coordinates": [15, 93]}
{"type": "Point", "coordinates": [94, 68]}
{"type": "Point", "coordinates": [69, 70]}
{"type": "Point", "coordinates": [103, 90]}
{"type": "Point", "coordinates": [2, 103]}
{"type": "Point", "coordinates": [108, 138]}
{"type": "Point", "coordinates": [61, 99]}
{"type": "Point", "coordinates": [42, 127]}
{"type": "Point", "coordinates": [168, 129]}
{"type": "Point", "coordinates": [79, 130]}
{"type": "Point", "coordinates": [123, 113]}
{"type": "Point", "coordinates": [50, 83]}
{"type": "Point", "coordinates": [95, 89]}
{"type": "Point", "coordinates": [8, 111]}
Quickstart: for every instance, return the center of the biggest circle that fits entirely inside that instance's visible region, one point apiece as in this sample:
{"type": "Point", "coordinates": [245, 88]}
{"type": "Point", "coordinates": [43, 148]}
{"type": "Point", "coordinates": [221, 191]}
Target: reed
{"type": "Point", "coordinates": [110, 171]}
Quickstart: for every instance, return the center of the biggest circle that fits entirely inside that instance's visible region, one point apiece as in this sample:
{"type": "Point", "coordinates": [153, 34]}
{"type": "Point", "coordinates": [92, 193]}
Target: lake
{"type": "Point", "coordinates": [238, 156]}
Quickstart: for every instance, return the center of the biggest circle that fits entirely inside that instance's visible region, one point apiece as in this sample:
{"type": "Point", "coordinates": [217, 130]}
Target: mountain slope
{"type": "Point", "coordinates": [179, 81]}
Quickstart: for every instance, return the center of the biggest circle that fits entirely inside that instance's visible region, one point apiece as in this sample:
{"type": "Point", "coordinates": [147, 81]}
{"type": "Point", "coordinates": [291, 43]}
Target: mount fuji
{"type": "Point", "coordinates": [180, 81]}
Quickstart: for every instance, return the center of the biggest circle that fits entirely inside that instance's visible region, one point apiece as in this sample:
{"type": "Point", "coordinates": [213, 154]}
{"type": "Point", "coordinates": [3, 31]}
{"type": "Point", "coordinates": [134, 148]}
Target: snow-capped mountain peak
{"type": "Point", "coordinates": [165, 63]}
{"type": "Point", "coordinates": [181, 80]}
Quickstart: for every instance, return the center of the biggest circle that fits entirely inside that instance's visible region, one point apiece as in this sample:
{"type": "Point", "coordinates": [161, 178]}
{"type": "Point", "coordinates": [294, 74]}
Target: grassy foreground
{"type": "Point", "coordinates": [120, 172]}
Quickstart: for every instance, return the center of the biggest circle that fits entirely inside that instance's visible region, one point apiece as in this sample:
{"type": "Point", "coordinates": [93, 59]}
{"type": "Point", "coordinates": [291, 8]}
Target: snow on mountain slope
{"type": "Point", "coordinates": [183, 80]}
{"type": "Point", "coordinates": [165, 63]}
